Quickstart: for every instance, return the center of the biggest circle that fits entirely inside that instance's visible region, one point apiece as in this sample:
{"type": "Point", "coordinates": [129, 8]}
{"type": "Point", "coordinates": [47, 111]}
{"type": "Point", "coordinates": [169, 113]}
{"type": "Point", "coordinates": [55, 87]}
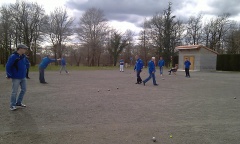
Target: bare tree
{"type": "Point", "coordinates": [6, 33]}
{"type": "Point", "coordinates": [92, 30]}
{"type": "Point", "coordinates": [145, 41]}
{"type": "Point", "coordinates": [194, 27]}
{"type": "Point", "coordinates": [215, 31]}
{"type": "Point", "coordinates": [27, 18]}
{"type": "Point", "coordinates": [58, 28]}
{"type": "Point", "coordinates": [117, 43]}
{"type": "Point", "coordinates": [233, 39]}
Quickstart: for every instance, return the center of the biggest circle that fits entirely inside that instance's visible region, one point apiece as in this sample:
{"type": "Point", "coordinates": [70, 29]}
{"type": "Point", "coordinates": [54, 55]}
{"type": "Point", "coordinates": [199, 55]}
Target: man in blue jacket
{"type": "Point", "coordinates": [16, 70]}
{"type": "Point", "coordinates": [151, 71]}
{"type": "Point", "coordinates": [187, 64]}
{"type": "Point", "coordinates": [63, 65]}
{"type": "Point", "coordinates": [42, 66]}
{"type": "Point", "coordinates": [138, 68]}
{"type": "Point", "coordinates": [161, 63]}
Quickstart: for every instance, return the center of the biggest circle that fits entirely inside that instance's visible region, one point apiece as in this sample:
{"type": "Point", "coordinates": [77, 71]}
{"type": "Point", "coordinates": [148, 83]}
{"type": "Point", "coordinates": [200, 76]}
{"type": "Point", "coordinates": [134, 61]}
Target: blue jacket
{"type": "Point", "coordinates": [138, 65]}
{"type": "Point", "coordinates": [45, 61]}
{"type": "Point", "coordinates": [151, 67]}
{"type": "Point", "coordinates": [161, 63]}
{"type": "Point", "coordinates": [16, 66]}
{"type": "Point", "coordinates": [121, 62]}
{"type": "Point", "coordinates": [187, 64]}
{"type": "Point", "coordinates": [63, 62]}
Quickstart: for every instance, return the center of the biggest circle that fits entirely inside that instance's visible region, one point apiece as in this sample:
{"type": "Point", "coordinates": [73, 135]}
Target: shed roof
{"type": "Point", "coordinates": [187, 47]}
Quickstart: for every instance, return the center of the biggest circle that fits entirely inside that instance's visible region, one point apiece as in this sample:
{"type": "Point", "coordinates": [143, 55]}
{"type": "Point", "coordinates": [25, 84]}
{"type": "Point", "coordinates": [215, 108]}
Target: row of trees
{"type": "Point", "coordinates": [98, 44]}
{"type": "Point", "coordinates": [163, 32]}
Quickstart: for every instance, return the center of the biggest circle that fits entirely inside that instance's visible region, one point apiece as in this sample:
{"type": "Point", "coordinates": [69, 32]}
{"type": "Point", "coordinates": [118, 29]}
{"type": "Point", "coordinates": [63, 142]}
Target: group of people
{"type": "Point", "coordinates": [17, 69]}
{"type": "Point", "coordinates": [151, 69]}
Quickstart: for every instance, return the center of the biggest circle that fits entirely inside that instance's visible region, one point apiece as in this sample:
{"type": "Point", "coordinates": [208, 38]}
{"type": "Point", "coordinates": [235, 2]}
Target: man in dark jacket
{"type": "Point", "coordinates": [151, 71]}
{"type": "Point", "coordinates": [42, 66]}
{"type": "Point", "coordinates": [16, 70]}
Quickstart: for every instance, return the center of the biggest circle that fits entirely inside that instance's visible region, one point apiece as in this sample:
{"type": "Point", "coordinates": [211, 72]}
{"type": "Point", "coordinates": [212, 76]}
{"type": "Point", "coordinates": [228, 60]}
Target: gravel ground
{"type": "Point", "coordinates": [107, 107]}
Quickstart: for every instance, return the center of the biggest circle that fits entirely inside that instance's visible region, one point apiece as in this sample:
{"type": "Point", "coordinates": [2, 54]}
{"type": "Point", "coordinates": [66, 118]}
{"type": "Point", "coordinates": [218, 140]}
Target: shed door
{"type": "Point", "coordinates": [191, 59]}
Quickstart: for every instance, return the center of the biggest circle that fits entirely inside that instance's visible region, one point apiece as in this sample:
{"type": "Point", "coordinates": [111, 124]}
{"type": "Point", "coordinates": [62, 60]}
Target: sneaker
{"type": "Point", "coordinates": [155, 84]}
{"type": "Point", "coordinates": [21, 105]}
{"type": "Point", "coordinates": [143, 83]}
{"type": "Point", "coordinates": [13, 108]}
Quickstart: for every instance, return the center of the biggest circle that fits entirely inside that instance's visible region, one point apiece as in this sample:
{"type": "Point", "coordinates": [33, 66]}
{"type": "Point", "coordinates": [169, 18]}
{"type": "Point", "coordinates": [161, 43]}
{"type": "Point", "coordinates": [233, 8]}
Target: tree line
{"type": "Point", "coordinates": [99, 44]}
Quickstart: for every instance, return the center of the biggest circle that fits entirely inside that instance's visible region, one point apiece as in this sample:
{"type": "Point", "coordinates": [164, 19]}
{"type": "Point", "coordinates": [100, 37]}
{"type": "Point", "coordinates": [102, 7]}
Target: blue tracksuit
{"type": "Point", "coordinates": [161, 63]}
{"type": "Point", "coordinates": [45, 61]}
{"type": "Point", "coordinates": [151, 70]}
{"type": "Point", "coordinates": [138, 65]}
{"type": "Point", "coordinates": [43, 65]}
{"type": "Point", "coordinates": [63, 62]}
{"type": "Point", "coordinates": [151, 67]}
{"type": "Point", "coordinates": [187, 64]}
{"type": "Point", "coordinates": [16, 66]}
{"type": "Point", "coordinates": [121, 62]}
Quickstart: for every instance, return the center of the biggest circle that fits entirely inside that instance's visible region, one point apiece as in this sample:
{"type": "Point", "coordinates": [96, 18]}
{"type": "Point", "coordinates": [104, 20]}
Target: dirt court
{"type": "Point", "coordinates": [70, 110]}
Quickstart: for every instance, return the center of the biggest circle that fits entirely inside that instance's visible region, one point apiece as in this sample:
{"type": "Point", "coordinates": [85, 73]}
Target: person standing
{"type": "Point", "coordinates": [16, 69]}
{"type": "Point", "coordinates": [42, 66]}
{"type": "Point", "coordinates": [187, 64]}
{"type": "Point", "coordinates": [138, 68]}
{"type": "Point", "coordinates": [28, 65]}
{"type": "Point", "coordinates": [63, 65]}
{"type": "Point", "coordinates": [121, 65]}
{"type": "Point", "coordinates": [161, 63]}
{"type": "Point", "coordinates": [151, 71]}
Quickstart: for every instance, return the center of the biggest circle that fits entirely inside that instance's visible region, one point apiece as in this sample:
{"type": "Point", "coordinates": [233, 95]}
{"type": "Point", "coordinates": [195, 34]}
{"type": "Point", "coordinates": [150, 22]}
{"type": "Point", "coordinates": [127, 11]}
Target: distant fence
{"type": "Point", "coordinates": [228, 62]}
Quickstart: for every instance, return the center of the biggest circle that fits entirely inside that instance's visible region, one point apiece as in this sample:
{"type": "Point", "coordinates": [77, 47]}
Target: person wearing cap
{"type": "Point", "coordinates": [42, 66]}
{"type": "Point", "coordinates": [151, 71]}
{"type": "Point", "coordinates": [16, 68]}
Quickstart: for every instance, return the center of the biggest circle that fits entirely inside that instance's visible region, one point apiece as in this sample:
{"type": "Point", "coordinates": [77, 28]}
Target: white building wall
{"type": "Point", "coordinates": [208, 60]}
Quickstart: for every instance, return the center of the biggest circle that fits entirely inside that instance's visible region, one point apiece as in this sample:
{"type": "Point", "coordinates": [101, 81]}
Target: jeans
{"type": "Point", "coordinates": [151, 75]}
{"type": "Point", "coordinates": [161, 70]}
{"type": "Point", "coordinates": [63, 67]}
{"type": "Point", "coordinates": [15, 85]}
{"type": "Point", "coordinates": [41, 75]}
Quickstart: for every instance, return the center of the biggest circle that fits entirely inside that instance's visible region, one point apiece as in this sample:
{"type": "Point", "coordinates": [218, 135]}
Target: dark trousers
{"type": "Point", "coordinates": [27, 73]}
{"type": "Point", "coordinates": [187, 72]}
{"type": "Point", "coordinates": [41, 75]}
{"type": "Point", "coordinates": [139, 79]}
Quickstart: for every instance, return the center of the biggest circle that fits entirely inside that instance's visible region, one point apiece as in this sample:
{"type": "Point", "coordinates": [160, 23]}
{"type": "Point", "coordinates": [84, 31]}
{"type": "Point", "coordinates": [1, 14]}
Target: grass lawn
{"type": "Point", "coordinates": [56, 68]}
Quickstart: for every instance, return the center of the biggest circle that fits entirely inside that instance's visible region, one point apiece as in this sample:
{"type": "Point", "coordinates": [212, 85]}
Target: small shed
{"type": "Point", "coordinates": [201, 57]}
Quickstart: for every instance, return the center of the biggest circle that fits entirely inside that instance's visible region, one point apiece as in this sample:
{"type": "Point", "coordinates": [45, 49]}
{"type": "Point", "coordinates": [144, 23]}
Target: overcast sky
{"type": "Point", "coordinates": [129, 14]}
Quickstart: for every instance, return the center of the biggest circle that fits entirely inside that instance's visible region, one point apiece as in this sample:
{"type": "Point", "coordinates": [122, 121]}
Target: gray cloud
{"type": "Point", "coordinates": [225, 6]}
{"type": "Point", "coordinates": [134, 11]}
